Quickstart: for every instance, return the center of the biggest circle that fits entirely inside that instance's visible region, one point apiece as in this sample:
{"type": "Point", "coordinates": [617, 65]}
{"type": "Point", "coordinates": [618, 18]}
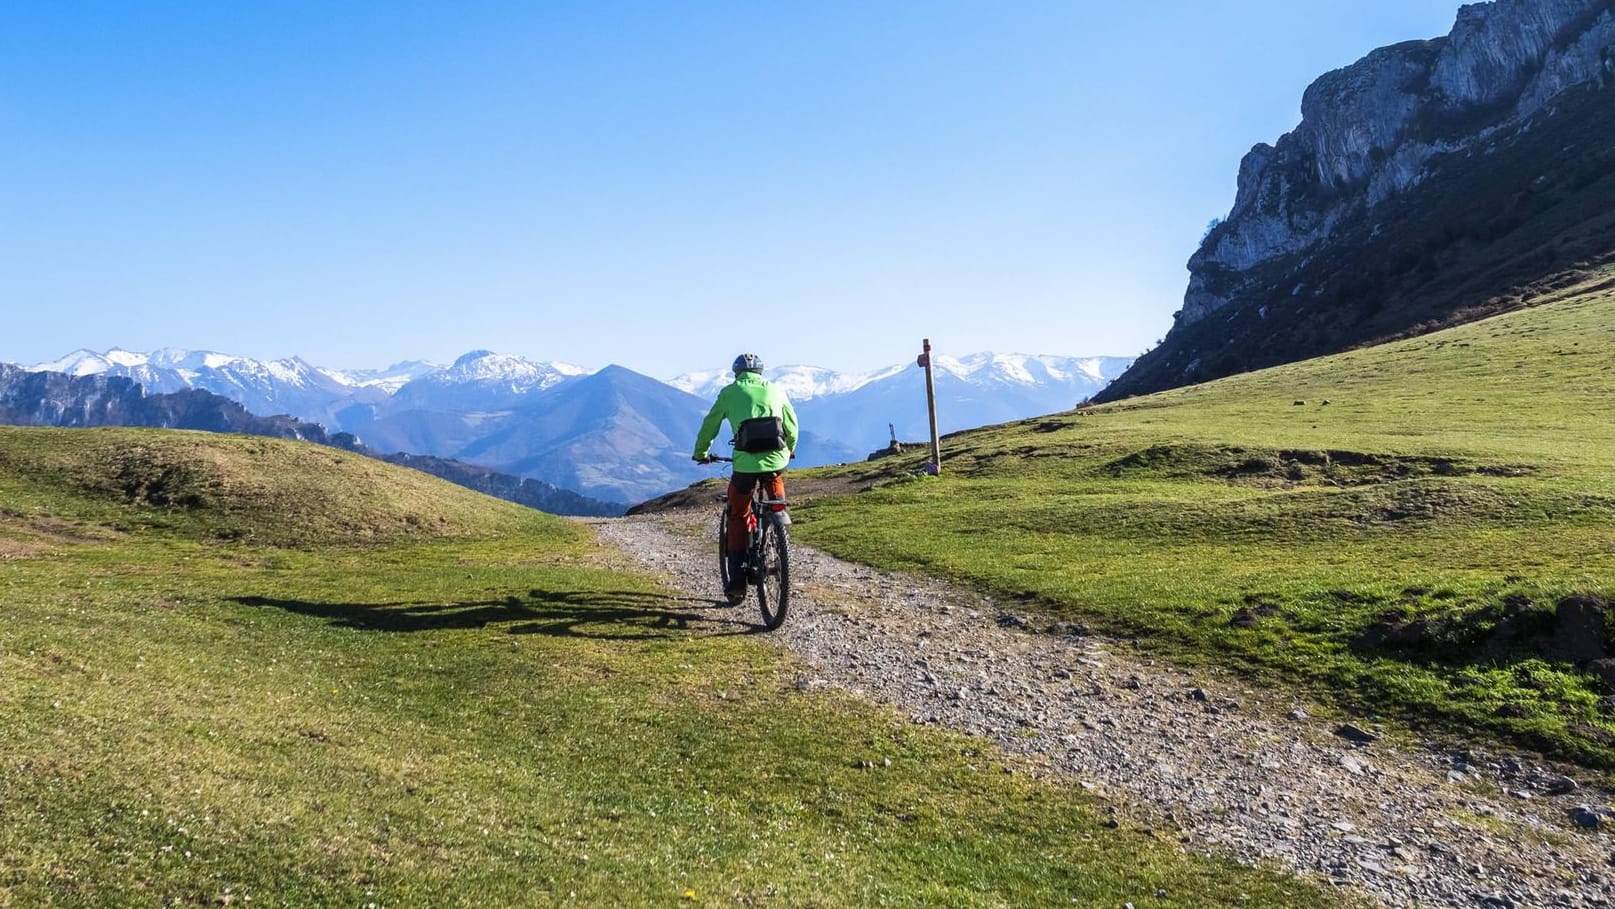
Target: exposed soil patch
{"type": "Point", "coordinates": [1265, 467]}
{"type": "Point", "coordinates": [1574, 630]}
{"type": "Point", "coordinates": [57, 530]}
{"type": "Point", "coordinates": [17, 549]}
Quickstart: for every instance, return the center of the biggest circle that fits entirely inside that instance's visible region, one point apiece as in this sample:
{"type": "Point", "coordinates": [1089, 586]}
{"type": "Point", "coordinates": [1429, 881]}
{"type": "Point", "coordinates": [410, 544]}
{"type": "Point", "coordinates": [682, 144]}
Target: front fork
{"type": "Point", "coordinates": [754, 551]}
{"type": "Point", "coordinates": [754, 548]}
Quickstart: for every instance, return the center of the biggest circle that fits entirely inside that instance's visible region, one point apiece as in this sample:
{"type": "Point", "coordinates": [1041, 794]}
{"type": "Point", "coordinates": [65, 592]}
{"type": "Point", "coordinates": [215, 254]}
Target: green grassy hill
{"type": "Point", "coordinates": [1393, 529]}
{"type": "Point", "coordinates": [252, 673]}
{"type": "Point", "coordinates": [210, 486]}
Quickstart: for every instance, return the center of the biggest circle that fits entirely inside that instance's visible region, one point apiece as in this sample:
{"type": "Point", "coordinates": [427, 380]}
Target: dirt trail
{"type": "Point", "coordinates": [1225, 769]}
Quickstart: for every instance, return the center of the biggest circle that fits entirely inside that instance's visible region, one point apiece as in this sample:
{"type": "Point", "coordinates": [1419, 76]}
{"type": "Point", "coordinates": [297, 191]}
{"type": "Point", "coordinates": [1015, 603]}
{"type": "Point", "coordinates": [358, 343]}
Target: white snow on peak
{"type": "Point", "coordinates": [179, 358]}
{"type": "Point", "coordinates": [190, 363]}
{"type": "Point", "coordinates": [1094, 368]}
{"type": "Point", "coordinates": [804, 383]}
{"type": "Point", "coordinates": [1011, 367]}
{"type": "Point", "coordinates": [387, 380]}
{"type": "Point", "coordinates": [800, 383]}
{"type": "Point", "coordinates": [702, 383]}
{"type": "Point", "coordinates": [118, 357]}
{"type": "Point", "coordinates": [1031, 369]}
{"type": "Point", "coordinates": [293, 371]}
{"type": "Point", "coordinates": [186, 364]}
{"type": "Point", "coordinates": [484, 367]}
{"type": "Point", "coordinates": [77, 363]}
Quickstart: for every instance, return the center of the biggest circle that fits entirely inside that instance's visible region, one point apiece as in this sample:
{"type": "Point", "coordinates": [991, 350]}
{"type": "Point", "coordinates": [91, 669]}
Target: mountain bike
{"type": "Point", "coordinates": [768, 554]}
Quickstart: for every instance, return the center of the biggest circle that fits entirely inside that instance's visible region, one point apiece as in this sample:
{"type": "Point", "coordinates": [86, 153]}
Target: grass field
{"type": "Point", "coordinates": [1392, 529]}
{"type": "Point", "coordinates": [475, 707]}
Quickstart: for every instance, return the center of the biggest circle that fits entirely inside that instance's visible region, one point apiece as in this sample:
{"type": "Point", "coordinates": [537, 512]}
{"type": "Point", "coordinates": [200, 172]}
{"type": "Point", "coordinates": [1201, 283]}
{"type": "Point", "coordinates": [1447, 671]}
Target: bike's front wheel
{"type": "Point", "coordinates": [723, 549]}
{"type": "Point", "coordinates": [774, 581]}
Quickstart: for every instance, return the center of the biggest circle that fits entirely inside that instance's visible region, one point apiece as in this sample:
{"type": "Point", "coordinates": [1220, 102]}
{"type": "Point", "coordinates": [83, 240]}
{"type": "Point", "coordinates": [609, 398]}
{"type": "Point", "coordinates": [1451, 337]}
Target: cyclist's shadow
{"type": "Point", "coordinates": [635, 617]}
{"type": "Point", "coordinates": [619, 615]}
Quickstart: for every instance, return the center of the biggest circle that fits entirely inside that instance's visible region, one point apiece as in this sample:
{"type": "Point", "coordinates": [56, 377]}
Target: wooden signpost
{"type": "Point", "coordinates": [935, 467]}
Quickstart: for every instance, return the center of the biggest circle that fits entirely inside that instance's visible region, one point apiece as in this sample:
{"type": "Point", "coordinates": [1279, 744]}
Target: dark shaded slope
{"type": "Point", "coordinates": [593, 434]}
{"type": "Point", "coordinates": [523, 491]}
{"type": "Point", "coordinates": [1484, 233]}
{"type": "Point", "coordinates": [56, 399]}
{"type": "Point", "coordinates": [1428, 184]}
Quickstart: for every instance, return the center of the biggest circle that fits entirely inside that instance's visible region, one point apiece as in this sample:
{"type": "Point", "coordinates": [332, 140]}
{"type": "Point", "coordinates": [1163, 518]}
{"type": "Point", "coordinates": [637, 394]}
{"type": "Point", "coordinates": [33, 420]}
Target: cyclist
{"type": "Point", "coordinates": [765, 441]}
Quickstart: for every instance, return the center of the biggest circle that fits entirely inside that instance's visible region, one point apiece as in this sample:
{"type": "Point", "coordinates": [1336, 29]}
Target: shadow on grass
{"type": "Point", "coordinates": [621, 615]}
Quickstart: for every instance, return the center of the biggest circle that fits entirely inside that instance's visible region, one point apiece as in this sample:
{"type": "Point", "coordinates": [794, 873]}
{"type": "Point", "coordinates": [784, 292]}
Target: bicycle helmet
{"type": "Point", "coordinates": [748, 363]}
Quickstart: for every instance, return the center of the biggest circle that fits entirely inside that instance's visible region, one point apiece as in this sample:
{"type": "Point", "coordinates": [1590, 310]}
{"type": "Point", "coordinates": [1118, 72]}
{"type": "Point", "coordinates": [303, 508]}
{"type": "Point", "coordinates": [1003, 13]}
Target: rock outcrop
{"type": "Point", "coordinates": [1409, 167]}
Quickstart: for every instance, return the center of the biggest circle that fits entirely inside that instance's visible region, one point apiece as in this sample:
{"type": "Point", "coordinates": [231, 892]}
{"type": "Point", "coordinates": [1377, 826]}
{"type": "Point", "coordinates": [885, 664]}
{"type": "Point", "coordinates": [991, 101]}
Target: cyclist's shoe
{"type": "Point", "coordinates": [736, 591]}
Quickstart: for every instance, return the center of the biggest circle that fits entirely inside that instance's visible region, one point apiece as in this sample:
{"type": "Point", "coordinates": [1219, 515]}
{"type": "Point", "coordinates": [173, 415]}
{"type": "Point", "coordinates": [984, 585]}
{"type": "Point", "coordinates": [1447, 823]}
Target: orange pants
{"type": "Point", "coordinates": [740, 487]}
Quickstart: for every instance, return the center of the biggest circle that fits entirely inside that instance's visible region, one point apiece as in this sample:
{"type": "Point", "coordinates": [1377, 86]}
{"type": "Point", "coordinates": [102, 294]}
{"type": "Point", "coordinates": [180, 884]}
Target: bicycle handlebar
{"type": "Point", "coordinates": [711, 459]}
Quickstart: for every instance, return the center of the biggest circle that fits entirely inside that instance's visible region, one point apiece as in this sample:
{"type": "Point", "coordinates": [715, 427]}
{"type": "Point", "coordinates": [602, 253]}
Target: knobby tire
{"type": "Point", "coordinates": [774, 586]}
{"type": "Point", "coordinates": [723, 548]}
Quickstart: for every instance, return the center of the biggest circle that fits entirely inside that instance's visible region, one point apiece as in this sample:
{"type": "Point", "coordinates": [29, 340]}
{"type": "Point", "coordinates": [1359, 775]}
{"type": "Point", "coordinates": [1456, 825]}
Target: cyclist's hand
{"type": "Point", "coordinates": [704, 460]}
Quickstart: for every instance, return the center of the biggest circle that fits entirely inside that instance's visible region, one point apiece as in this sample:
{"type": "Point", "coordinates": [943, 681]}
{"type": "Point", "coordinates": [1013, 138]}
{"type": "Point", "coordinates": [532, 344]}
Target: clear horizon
{"type": "Point", "coordinates": [588, 367]}
{"type": "Point", "coordinates": [655, 186]}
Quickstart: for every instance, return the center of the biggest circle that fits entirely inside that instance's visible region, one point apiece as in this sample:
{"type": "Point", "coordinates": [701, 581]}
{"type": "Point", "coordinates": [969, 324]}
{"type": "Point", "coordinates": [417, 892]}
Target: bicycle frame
{"type": "Point", "coordinates": [767, 562]}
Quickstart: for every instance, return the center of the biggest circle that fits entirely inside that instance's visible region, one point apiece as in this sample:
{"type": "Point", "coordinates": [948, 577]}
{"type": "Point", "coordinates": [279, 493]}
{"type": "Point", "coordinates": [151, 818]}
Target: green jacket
{"type": "Point", "coordinates": [749, 395]}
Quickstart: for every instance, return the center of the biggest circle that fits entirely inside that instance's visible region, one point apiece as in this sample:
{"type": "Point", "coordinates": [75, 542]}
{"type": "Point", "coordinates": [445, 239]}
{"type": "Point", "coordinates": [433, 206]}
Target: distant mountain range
{"type": "Point", "coordinates": [610, 434]}
{"type": "Point", "coordinates": [57, 399]}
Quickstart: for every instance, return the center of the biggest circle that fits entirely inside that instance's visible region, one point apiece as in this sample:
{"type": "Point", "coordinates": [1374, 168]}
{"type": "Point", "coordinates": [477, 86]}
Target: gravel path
{"type": "Point", "coordinates": [1230, 770]}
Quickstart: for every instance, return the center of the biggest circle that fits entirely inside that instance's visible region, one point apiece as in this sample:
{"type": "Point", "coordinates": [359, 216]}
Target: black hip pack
{"type": "Point", "coordinates": [760, 435]}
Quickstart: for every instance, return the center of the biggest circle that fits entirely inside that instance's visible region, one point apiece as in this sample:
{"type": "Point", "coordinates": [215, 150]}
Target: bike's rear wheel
{"type": "Point", "coordinates": [774, 582]}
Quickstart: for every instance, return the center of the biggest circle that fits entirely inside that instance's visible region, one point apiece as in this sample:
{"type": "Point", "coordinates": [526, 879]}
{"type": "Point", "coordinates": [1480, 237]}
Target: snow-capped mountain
{"type": "Point", "coordinates": [265, 387]}
{"type": "Point", "coordinates": [862, 409]}
{"type": "Point", "coordinates": [612, 433]}
{"type": "Point", "coordinates": [1022, 369]}
{"type": "Point", "coordinates": [971, 391]}
{"type": "Point", "coordinates": [481, 381]}
{"type": "Point", "coordinates": [807, 383]}
{"type": "Point", "coordinates": [388, 380]}
{"type": "Point", "coordinates": [800, 383]}
{"type": "Point", "coordinates": [81, 363]}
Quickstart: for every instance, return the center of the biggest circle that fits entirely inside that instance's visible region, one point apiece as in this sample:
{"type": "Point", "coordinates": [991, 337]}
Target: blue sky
{"type": "Point", "coordinates": [655, 184]}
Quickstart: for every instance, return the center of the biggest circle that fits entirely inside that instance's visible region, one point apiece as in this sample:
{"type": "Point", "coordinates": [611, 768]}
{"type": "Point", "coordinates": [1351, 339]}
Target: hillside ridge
{"type": "Point", "coordinates": [94, 400]}
{"type": "Point", "coordinates": [235, 487]}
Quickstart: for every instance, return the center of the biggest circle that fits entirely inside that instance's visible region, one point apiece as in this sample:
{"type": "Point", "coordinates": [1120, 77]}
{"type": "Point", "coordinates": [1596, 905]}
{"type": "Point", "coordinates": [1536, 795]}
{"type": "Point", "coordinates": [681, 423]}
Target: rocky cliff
{"type": "Point", "coordinates": [55, 399]}
{"type": "Point", "coordinates": [1429, 179]}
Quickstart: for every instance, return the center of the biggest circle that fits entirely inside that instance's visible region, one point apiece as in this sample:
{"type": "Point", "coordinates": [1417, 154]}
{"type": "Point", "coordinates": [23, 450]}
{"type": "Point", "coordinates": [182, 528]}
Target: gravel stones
{"type": "Point", "coordinates": [1258, 781]}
